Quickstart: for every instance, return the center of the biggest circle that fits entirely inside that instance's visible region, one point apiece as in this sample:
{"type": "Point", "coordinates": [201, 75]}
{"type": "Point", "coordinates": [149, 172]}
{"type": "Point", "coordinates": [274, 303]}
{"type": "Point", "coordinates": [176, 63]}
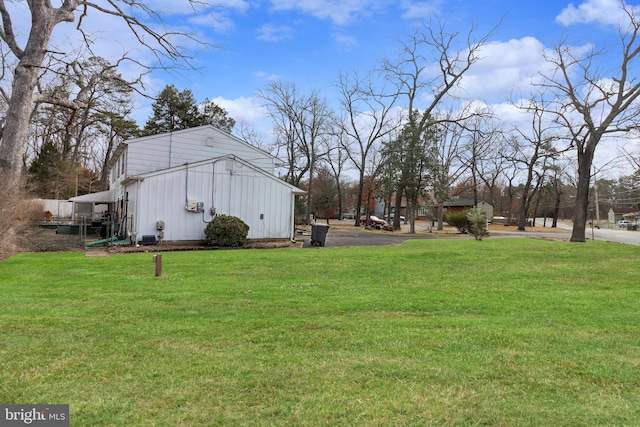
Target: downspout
{"type": "Point", "coordinates": [292, 218]}
{"type": "Point", "coordinates": [135, 218]}
{"type": "Point", "coordinates": [170, 144]}
{"type": "Point", "coordinates": [186, 186]}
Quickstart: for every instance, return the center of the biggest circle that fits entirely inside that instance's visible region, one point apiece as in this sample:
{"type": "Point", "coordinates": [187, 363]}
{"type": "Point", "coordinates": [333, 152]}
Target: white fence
{"type": "Point", "coordinates": [60, 209]}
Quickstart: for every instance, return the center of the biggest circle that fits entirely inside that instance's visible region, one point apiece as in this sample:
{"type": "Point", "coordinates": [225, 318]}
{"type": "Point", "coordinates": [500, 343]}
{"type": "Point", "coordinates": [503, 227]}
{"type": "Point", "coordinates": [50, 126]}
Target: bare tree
{"type": "Point", "coordinates": [447, 165]}
{"type": "Point", "coordinates": [481, 134]}
{"type": "Point", "coordinates": [430, 48]}
{"type": "Point", "coordinates": [533, 151]}
{"type": "Point", "coordinates": [368, 120]}
{"type": "Point", "coordinates": [30, 57]}
{"type": "Point", "coordinates": [490, 165]}
{"type": "Point", "coordinates": [301, 122]}
{"type": "Point", "coordinates": [336, 160]}
{"type": "Point", "coordinates": [594, 102]}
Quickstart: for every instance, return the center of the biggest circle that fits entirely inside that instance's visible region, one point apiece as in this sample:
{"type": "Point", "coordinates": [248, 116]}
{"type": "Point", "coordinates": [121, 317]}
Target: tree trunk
{"type": "Point", "coordinates": [411, 216]}
{"type": "Point", "coordinates": [310, 191]}
{"type": "Point", "coordinates": [398, 208]}
{"type": "Point", "coordinates": [535, 210]}
{"type": "Point", "coordinates": [15, 133]}
{"type": "Point", "coordinates": [359, 200]}
{"type": "Point", "coordinates": [556, 211]}
{"type": "Point", "coordinates": [522, 216]}
{"type": "Point", "coordinates": [524, 207]}
{"type": "Point", "coordinates": [585, 159]}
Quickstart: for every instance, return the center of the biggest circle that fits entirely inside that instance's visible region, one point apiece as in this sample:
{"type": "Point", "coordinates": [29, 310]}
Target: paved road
{"type": "Point", "coordinates": [355, 236]}
{"type": "Point", "coordinates": [615, 235]}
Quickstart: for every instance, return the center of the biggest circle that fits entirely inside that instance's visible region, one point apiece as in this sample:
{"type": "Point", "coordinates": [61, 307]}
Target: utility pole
{"type": "Point", "coordinates": [595, 190]}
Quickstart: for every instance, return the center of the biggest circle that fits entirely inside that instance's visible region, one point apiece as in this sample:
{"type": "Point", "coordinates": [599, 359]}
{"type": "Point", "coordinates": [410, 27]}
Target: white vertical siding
{"type": "Point", "coordinates": [242, 192]}
{"type": "Point", "coordinates": [164, 151]}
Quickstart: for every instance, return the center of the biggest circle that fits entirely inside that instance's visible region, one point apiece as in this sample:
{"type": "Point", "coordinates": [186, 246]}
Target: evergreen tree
{"type": "Point", "coordinates": [173, 110]}
{"type": "Point", "coordinates": [478, 220]}
{"type": "Point", "coordinates": [50, 176]}
{"type": "Point", "coordinates": [176, 110]}
{"type": "Point", "coordinates": [217, 116]}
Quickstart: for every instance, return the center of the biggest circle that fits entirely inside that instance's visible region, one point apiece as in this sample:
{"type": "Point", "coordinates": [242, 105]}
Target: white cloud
{"type": "Point", "coordinates": [420, 10]}
{"type": "Point", "coordinates": [274, 33]}
{"type": "Point", "coordinates": [505, 68]}
{"type": "Point", "coordinates": [340, 12]}
{"type": "Point", "coordinates": [608, 12]}
{"type": "Point", "coordinates": [220, 22]}
{"type": "Point", "coordinates": [243, 110]}
{"type": "Point", "coordinates": [266, 76]}
{"type": "Point", "coordinates": [345, 42]}
{"type": "Point", "coordinates": [184, 7]}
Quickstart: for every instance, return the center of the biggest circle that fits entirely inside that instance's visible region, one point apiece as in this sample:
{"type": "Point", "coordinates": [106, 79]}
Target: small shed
{"type": "Point", "coordinates": [465, 204]}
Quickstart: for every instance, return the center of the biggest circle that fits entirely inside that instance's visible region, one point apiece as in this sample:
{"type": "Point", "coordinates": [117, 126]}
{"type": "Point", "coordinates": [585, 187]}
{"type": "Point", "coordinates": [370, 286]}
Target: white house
{"type": "Point", "coordinates": [171, 185]}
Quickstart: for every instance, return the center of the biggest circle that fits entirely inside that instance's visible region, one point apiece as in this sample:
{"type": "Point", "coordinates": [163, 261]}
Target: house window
{"type": "Point", "coordinates": [121, 162]}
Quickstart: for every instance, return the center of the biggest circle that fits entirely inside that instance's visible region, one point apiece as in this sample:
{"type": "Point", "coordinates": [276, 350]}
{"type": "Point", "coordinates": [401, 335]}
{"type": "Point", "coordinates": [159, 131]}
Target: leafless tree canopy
{"type": "Point", "coordinates": [30, 61]}
{"type": "Point", "coordinates": [593, 102]}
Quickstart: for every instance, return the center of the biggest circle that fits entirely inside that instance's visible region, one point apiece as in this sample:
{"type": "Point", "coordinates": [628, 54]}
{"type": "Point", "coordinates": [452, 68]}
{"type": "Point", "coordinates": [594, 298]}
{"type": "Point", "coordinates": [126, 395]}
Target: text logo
{"type": "Point", "coordinates": [34, 415]}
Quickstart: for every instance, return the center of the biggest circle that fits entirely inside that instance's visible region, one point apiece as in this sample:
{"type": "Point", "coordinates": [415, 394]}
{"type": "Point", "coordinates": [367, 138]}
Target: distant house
{"type": "Point", "coordinates": [171, 185]}
{"type": "Point", "coordinates": [464, 204]}
{"type": "Point", "coordinates": [616, 214]}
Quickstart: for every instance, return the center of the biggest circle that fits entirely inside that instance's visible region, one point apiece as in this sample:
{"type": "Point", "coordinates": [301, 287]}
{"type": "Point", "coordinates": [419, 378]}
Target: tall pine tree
{"type": "Point", "coordinates": [176, 110]}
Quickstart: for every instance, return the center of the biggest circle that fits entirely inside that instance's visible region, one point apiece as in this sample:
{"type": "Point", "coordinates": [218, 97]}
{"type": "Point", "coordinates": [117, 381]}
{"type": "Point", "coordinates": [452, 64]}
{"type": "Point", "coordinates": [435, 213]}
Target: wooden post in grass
{"type": "Point", "coordinates": [157, 259]}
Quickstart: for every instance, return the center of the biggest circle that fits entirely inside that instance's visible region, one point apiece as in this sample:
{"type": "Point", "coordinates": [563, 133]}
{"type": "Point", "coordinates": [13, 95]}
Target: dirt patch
{"type": "Point", "coordinates": [39, 239]}
{"type": "Point", "coordinates": [537, 229]}
{"type": "Point", "coordinates": [192, 246]}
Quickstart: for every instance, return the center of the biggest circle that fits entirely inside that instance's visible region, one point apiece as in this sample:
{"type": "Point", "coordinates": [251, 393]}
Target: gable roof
{"type": "Point", "coordinates": [463, 203]}
{"type": "Point", "coordinates": [622, 210]}
{"type": "Point", "coordinates": [211, 128]}
{"type": "Point", "coordinates": [293, 188]}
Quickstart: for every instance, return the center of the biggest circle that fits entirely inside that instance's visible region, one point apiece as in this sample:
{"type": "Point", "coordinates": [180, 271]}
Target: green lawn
{"type": "Point", "coordinates": [506, 332]}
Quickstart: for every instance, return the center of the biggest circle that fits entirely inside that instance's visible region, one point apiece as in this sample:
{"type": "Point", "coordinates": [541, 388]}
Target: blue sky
{"type": "Point", "coordinates": [308, 42]}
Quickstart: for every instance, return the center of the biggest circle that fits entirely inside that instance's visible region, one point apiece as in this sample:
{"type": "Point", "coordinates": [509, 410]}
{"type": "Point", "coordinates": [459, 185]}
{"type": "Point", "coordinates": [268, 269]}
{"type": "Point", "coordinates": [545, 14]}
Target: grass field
{"type": "Point", "coordinates": [503, 332]}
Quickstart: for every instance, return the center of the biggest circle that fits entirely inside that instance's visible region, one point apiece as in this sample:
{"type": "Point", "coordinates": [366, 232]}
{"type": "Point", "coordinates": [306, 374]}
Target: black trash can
{"type": "Point", "coordinates": [105, 230]}
{"type": "Point", "coordinates": [319, 234]}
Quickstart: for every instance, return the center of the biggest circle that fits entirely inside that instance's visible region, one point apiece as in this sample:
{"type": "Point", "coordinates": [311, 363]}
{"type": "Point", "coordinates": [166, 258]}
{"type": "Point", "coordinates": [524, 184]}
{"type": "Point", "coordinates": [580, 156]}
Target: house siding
{"type": "Point", "coordinates": [165, 151]}
{"type": "Point", "coordinates": [239, 191]}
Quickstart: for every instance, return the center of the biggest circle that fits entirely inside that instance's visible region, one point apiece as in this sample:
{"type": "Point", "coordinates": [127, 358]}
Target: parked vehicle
{"type": "Point", "coordinates": [402, 218]}
{"type": "Point", "coordinates": [374, 221]}
{"type": "Point", "coordinates": [623, 223]}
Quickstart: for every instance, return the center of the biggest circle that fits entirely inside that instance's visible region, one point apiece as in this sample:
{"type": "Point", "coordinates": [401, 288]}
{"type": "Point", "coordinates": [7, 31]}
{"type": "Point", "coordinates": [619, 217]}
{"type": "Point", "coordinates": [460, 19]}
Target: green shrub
{"type": "Point", "coordinates": [227, 231]}
{"type": "Point", "coordinates": [459, 220]}
{"type": "Point", "coordinates": [478, 219]}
